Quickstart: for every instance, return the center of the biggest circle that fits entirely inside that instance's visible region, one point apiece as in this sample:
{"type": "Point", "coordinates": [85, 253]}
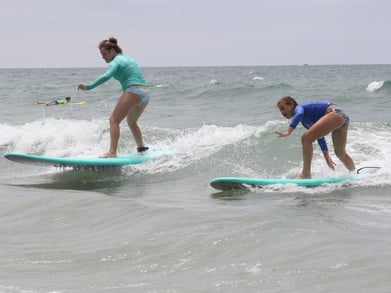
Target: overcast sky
{"type": "Point", "coordinates": [65, 33]}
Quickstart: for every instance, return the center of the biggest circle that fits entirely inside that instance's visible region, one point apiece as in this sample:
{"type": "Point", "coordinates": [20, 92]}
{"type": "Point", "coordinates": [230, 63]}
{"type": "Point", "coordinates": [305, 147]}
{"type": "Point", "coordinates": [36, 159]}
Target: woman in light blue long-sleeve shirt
{"type": "Point", "coordinates": [134, 99]}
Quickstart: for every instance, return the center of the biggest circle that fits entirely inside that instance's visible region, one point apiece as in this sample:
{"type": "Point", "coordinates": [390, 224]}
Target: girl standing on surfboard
{"type": "Point", "coordinates": [134, 99]}
{"type": "Point", "coordinates": [320, 118]}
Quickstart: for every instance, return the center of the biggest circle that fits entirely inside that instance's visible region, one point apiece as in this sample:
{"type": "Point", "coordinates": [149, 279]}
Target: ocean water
{"type": "Point", "coordinates": [159, 226]}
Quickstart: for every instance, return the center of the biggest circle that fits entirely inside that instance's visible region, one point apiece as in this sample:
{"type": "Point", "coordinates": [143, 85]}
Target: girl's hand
{"type": "Point", "coordinates": [282, 134]}
{"type": "Point", "coordinates": [329, 161]}
{"type": "Point", "coordinates": [82, 87]}
{"type": "Point", "coordinates": [285, 133]}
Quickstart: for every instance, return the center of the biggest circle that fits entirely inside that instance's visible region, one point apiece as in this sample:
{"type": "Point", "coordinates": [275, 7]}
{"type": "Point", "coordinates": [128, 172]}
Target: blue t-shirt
{"type": "Point", "coordinates": [124, 69]}
{"type": "Point", "coordinates": [308, 113]}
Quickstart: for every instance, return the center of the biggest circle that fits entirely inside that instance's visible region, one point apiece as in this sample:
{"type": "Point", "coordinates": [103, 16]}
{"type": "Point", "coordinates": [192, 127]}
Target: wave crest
{"type": "Point", "coordinates": [379, 85]}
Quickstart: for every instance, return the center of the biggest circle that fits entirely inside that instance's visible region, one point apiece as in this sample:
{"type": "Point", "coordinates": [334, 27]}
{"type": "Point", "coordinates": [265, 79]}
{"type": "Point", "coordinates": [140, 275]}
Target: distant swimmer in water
{"type": "Point", "coordinates": [55, 102]}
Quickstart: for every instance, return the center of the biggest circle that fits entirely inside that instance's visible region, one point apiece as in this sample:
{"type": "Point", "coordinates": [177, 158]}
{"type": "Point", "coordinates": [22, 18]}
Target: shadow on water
{"type": "Point", "coordinates": [80, 180]}
{"type": "Point", "coordinates": [234, 194]}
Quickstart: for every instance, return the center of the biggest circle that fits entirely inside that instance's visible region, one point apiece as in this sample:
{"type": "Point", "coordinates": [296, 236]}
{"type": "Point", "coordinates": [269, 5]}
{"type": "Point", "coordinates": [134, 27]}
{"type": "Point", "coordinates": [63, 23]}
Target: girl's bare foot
{"type": "Point", "coordinates": [108, 155]}
{"type": "Point", "coordinates": [303, 176]}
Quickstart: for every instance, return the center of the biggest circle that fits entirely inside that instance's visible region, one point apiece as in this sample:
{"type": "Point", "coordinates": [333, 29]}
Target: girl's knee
{"type": "Point", "coordinates": [114, 121]}
{"type": "Point", "coordinates": [306, 138]}
{"type": "Point", "coordinates": [340, 154]}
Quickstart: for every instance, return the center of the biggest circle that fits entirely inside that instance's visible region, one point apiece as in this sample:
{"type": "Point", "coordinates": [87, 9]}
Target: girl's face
{"type": "Point", "coordinates": [107, 55]}
{"type": "Point", "coordinates": [287, 110]}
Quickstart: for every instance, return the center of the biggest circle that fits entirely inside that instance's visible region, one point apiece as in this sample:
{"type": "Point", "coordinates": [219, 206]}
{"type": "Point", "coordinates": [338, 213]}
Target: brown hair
{"type": "Point", "coordinates": [109, 44]}
{"type": "Point", "coordinates": [287, 100]}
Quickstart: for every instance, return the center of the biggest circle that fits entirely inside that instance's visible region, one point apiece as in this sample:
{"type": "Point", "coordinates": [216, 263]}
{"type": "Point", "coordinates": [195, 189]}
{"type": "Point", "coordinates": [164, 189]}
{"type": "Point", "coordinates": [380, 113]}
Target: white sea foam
{"type": "Point", "coordinates": [375, 85]}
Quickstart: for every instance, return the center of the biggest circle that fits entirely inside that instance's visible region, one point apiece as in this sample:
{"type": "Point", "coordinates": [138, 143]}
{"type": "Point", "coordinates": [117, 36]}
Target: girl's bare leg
{"type": "Point", "coordinates": [322, 127]}
{"type": "Point", "coordinates": [125, 104]}
{"type": "Point", "coordinates": [339, 138]}
{"type": "Point", "coordinates": [133, 116]}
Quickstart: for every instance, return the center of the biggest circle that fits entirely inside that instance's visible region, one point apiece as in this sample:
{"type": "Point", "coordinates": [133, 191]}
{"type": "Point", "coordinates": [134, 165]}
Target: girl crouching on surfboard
{"type": "Point", "coordinates": [319, 118]}
{"type": "Point", "coordinates": [134, 99]}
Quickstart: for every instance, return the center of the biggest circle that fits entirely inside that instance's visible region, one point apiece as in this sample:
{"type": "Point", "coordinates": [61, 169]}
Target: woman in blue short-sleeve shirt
{"type": "Point", "coordinates": [319, 118]}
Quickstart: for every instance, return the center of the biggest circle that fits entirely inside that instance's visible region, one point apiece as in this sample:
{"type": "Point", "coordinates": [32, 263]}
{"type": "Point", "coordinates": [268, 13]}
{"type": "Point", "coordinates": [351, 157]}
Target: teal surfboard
{"type": "Point", "coordinates": [230, 183]}
{"type": "Point", "coordinates": [84, 162]}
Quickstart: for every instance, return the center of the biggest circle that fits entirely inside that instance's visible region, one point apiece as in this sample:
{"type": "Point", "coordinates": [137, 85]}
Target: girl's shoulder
{"type": "Point", "coordinates": [123, 60]}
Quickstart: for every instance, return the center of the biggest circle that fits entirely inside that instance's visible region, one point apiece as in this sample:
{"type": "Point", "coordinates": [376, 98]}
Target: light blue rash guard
{"type": "Point", "coordinates": [308, 113]}
{"type": "Point", "coordinates": [124, 69]}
